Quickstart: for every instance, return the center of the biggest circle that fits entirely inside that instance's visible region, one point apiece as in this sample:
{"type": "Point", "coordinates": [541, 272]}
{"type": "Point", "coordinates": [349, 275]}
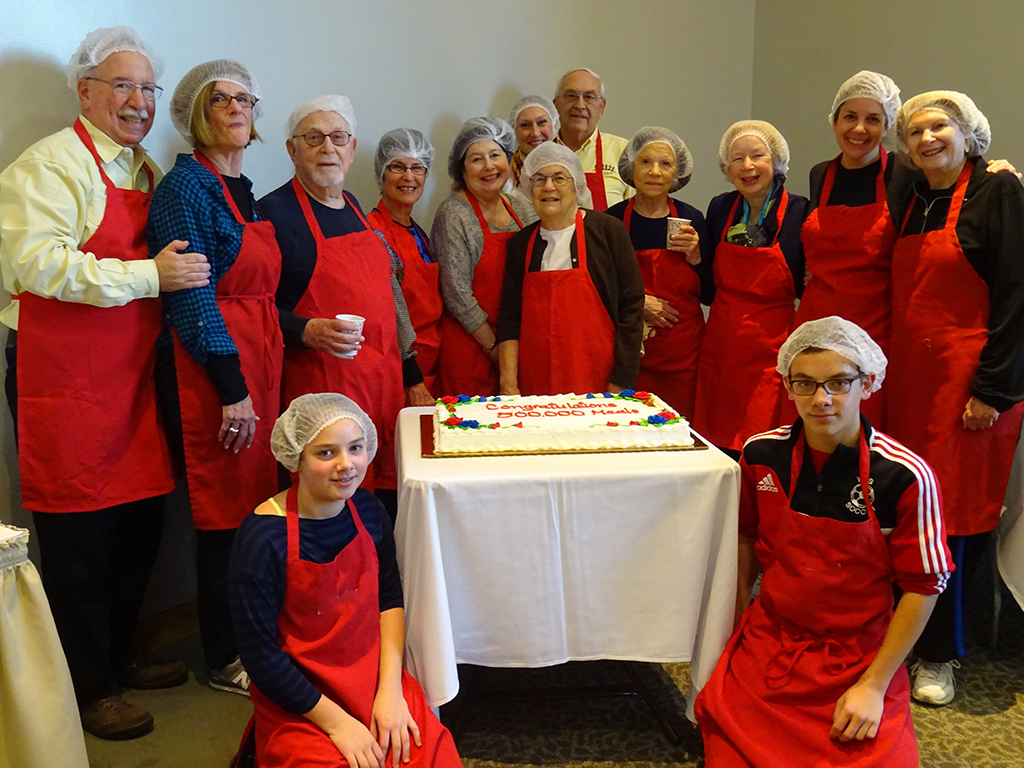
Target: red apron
{"type": "Point", "coordinates": [595, 180]}
{"type": "Point", "coordinates": [567, 339]}
{"type": "Point", "coordinates": [336, 644]}
{"type": "Point", "coordinates": [849, 254]}
{"type": "Point", "coordinates": [224, 486]}
{"type": "Point", "coordinates": [940, 324]}
{"type": "Point", "coordinates": [803, 643]}
{"type": "Point", "coordinates": [88, 429]}
{"type": "Point", "coordinates": [465, 369]}
{"type": "Point", "coordinates": [669, 365]}
{"type": "Point", "coordinates": [352, 276]}
{"type": "Point", "coordinates": [421, 290]}
{"type": "Point", "coordinates": [739, 393]}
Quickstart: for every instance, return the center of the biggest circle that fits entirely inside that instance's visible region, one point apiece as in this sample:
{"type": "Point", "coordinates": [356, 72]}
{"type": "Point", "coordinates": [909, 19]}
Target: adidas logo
{"type": "Point", "coordinates": [767, 484]}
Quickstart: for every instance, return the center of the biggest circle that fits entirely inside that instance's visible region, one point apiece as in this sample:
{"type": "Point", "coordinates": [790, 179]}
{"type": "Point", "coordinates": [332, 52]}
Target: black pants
{"type": "Point", "coordinates": [943, 636]}
{"type": "Point", "coordinates": [213, 554]}
{"type": "Point", "coordinates": [95, 569]}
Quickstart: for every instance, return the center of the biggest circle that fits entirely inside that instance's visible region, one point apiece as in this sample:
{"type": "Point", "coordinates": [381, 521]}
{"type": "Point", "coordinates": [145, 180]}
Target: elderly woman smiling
{"type": "Point", "coordinates": [468, 237]}
{"type": "Point", "coordinates": [759, 274]}
{"type": "Point", "coordinates": [228, 348]}
{"type": "Point", "coordinates": [401, 163]}
{"type": "Point", "coordinates": [957, 345]}
{"type": "Point", "coordinates": [677, 271]}
{"type": "Point", "coordinates": [572, 302]}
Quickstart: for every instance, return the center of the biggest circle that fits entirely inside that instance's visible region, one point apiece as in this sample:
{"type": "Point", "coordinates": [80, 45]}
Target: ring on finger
{"type": "Point", "coordinates": [232, 428]}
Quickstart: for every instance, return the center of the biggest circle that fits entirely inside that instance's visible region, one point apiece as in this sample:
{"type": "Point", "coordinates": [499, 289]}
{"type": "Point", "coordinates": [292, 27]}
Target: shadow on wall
{"type": "Point", "coordinates": [34, 102]}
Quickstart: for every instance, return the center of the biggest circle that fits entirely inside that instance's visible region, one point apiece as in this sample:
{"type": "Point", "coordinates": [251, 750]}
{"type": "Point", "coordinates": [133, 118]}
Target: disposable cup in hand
{"type": "Point", "coordinates": [357, 332]}
{"type": "Point", "coordinates": [674, 226]}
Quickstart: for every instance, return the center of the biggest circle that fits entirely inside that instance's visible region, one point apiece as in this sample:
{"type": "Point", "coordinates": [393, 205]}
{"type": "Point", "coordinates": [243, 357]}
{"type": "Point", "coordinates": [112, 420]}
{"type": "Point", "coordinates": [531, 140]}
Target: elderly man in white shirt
{"type": "Point", "coordinates": [81, 353]}
{"type": "Point", "coordinates": [580, 101]}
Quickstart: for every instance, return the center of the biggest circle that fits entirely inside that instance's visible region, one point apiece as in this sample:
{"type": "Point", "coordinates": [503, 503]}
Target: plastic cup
{"type": "Point", "coordinates": [674, 225]}
{"type": "Point", "coordinates": [358, 332]}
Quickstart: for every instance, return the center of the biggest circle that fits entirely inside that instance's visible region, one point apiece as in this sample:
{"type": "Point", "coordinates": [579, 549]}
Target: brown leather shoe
{"type": "Point", "coordinates": [150, 674]}
{"type": "Point", "coordinates": [114, 718]}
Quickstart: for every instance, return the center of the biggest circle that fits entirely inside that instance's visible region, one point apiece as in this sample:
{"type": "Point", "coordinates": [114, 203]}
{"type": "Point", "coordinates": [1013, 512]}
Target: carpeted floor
{"type": "Point", "coordinates": [982, 728]}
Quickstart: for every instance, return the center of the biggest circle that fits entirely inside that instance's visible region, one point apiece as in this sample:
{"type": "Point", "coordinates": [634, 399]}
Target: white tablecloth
{"type": "Point", "coordinates": [529, 561]}
{"type": "Point", "coordinates": [39, 723]}
{"type": "Point", "coordinates": [1010, 551]}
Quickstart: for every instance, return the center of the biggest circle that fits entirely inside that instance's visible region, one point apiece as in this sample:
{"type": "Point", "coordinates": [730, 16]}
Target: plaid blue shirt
{"type": "Point", "coordinates": [189, 204]}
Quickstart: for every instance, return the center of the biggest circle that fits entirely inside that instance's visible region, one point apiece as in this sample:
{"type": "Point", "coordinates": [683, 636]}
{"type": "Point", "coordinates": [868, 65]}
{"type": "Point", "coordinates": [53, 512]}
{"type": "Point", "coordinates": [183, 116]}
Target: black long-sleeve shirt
{"type": "Point", "coordinates": [788, 235]}
{"type": "Point", "coordinates": [257, 582]}
{"type": "Point", "coordinates": [612, 264]}
{"type": "Point", "coordinates": [991, 233]}
{"type": "Point", "coordinates": [648, 234]}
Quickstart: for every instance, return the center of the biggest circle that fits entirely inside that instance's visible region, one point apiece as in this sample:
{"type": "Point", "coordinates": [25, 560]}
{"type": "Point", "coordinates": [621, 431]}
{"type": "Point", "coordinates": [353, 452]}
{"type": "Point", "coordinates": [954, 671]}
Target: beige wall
{"type": "Point", "coordinates": [685, 64]}
{"type": "Point", "coordinates": [803, 51]}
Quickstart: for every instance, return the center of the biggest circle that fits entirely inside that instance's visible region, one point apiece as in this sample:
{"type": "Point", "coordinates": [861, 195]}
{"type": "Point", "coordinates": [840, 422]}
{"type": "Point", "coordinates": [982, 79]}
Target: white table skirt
{"type": "Point", "coordinates": [39, 723]}
{"type": "Point", "coordinates": [1010, 550]}
{"type": "Point", "coordinates": [529, 561]}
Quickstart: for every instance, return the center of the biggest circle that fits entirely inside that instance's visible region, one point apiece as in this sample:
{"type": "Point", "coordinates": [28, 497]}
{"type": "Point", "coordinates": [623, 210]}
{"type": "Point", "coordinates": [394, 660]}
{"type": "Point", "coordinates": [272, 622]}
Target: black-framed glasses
{"type": "Point", "coordinates": [538, 180]}
{"type": "Point", "coordinates": [398, 169]}
{"type": "Point", "coordinates": [125, 88]}
{"type": "Point", "coordinates": [807, 387]}
{"type": "Point", "coordinates": [223, 100]}
{"type": "Point", "coordinates": [590, 98]}
{"type": "Point", "coordinates": [316, 138]}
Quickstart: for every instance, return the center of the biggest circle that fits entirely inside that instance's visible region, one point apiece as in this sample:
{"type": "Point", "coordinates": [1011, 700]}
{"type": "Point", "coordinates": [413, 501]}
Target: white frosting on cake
{"type": "Point", "coordinates": [557, 423]}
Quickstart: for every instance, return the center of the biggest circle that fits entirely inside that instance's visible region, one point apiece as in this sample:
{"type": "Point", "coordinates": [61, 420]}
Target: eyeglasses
{"type": "Point", "coordinates": [806, 387]}
{"type": "Point", "coordinates": [539, 180]}
{"type": "Point", "coordinates": [399, 170]}
{"type": "Point", "coordinates": [223, 101]}
{"type": "Point", "coordinates": [126, 88]}
{"type": "Point", "coordinates": [316, 138]}
{"type": "Point", "coordinates": [590, 98]}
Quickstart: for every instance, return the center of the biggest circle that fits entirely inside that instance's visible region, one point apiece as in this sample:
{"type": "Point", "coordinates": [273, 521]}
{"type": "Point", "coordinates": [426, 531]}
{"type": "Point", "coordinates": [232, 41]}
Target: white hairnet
{"type": "Point", "coordinates": [479, 129]}
{"type": "Point", "coordinates": [184, 98]}
{"type": "Point", "coordinates": [99, 44]}
{"type": "Point", "coordinates": [550, 153]}
{"type": "Point", "coordinates": [651, 134]}
{"type": "Point", "coordinates": [839, 335]}
{"type": "Point", "coordinates": [329, 103]}
{"type": "Point", "coordinates": [766, 132]}
{"type": "Point", "coordinates": [535, 101]}
{"type": "Point", "coordinates": [401, 142]}
{"type": "Point", "coordinates": [306, 417]}
{"type": "Point", "coordinates": [959, 107]}
{"type": "Point", "coordinates": [869, 85]}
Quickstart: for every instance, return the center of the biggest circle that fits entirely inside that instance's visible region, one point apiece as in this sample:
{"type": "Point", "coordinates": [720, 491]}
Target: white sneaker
{"type": "Point", "coordinates": [233, 678]}
{"type": "Point", "coordinates": [933, 682]}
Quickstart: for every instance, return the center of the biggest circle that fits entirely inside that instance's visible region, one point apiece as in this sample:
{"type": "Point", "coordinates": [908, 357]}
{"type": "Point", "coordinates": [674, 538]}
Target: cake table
{"type": "Point", "coordinates": [530, 561]}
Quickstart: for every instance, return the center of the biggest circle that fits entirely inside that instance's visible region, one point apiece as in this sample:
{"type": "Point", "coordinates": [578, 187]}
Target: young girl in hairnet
{"type": "Point", "coordinates": [317, 606]}
{"type": "Point", "coordinates": [832, 512]}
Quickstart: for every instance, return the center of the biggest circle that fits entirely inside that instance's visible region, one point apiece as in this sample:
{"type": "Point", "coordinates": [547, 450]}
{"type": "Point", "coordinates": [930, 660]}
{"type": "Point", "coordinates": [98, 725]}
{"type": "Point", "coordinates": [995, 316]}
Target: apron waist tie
{"type": "Point", "coordinates": [779, 668]}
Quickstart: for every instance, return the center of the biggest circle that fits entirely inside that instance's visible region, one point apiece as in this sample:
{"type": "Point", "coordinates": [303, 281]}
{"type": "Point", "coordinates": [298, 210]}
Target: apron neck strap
{"type": "Point", "coordinates": [307, 210]}
{"type": "Point", "coordinates": [480, 214]}
{"type": "Point", "coordinates": [959, 192]}
{"type": "Point", "coordinates": [581, 243]}
{"type": "Point", "coordinates": [863, 466]}
{"type": "Point", "coordinates": [780, 214]}
{"type": "Point", "coordinates": [208, 165]}
{"type": "Point", "coordinates": [90, 145]}
{"type": "Point", "coordinates": [291, 511]}
{"type": "Point", "coordinates": [833, 169]}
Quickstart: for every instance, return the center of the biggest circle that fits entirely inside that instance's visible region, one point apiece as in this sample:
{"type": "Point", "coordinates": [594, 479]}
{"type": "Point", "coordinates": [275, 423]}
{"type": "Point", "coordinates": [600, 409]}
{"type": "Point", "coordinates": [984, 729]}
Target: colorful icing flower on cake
{"type": "Point", "coordinates": [449, 399]}
{"type": "Point", "coordinates": [495, 425]}
{"type": "Point", "coordinates": [634, 424]}
{"type": "Point", "coordinates": [612, 424]}
{"type": "Point", "coordinates": [464, 399]}
{"type": "Point", "coordinates": [470, 423]}
{"type": "Point", "coordinates": [454, 421]}
{"type": "Point", "coordinates": [656, 419]}
{"type": "Point", "coordinates": [628, 393]}
{"type": "Point", "coordinates": [518, 424]}
{"type": "Point", "coordinates": [641, 395]}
